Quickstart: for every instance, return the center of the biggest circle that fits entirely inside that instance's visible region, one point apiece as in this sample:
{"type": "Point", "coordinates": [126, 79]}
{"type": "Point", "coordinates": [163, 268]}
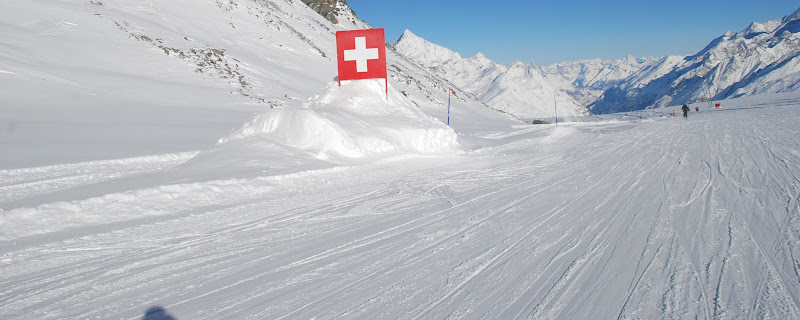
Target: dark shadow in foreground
{"type": "Point", "coordinates": [157, 313]}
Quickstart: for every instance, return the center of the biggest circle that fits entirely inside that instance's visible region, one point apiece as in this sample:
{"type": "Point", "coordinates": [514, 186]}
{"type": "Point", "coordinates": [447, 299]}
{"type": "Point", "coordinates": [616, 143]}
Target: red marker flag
{"type": "Point", "coordinates": [361, 54]}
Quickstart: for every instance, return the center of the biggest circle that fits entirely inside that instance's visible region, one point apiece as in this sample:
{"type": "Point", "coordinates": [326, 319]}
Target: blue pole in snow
{"type": "Point", "coordinates": [555, 106]}
{"type": "Point", "coordinates": [448, 107]}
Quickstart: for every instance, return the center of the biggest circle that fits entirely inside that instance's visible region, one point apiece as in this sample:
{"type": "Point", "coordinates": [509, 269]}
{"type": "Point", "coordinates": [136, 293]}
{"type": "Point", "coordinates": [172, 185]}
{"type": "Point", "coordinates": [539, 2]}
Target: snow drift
{"type": "Point", "coordinates": [353, 121]}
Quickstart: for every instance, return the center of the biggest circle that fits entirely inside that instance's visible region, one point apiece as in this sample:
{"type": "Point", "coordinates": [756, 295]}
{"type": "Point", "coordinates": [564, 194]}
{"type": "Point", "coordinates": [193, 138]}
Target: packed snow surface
{"type": "Point", "coordinates": [626, 216]}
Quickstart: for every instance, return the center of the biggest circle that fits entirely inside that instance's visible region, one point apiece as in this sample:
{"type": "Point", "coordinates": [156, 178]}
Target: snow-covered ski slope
{"type": "Point", "coordinates": [617, 217]}
{"type": "Point", "coordinates": [197, 156]}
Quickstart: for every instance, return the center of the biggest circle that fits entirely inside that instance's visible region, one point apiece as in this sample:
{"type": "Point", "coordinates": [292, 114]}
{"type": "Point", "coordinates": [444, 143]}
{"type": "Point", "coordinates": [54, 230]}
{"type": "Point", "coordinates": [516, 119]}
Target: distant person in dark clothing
{"type": "Point", "coordinates": [685, 109]}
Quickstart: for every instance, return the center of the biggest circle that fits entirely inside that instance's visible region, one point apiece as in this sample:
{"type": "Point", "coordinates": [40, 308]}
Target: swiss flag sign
{"type": "Point", "coordinates": [361, 54]}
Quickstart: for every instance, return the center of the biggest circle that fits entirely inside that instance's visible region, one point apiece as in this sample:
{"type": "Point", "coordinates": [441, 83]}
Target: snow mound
{"type": "Point", "coordinates": [353, 121]}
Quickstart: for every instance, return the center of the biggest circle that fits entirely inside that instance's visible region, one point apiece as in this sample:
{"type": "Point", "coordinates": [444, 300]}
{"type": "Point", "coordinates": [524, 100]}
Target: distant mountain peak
{"type": "Point", "coordinates": [408, 33]}
{"type": "Point", "coordinates": [421, 50]}
{"type": "Point", "coordinates": [516, 64]}
{"type": "Point", "coordinates": [791, 23]}
{"type": "Point", "coordinates": [729, 34]}
{"type": "Point", "coordinates": [408, 36]}
{"type": "Point", "coordinates": [480, 58]}
{"type": "Point", "coordinates": [794, 16]}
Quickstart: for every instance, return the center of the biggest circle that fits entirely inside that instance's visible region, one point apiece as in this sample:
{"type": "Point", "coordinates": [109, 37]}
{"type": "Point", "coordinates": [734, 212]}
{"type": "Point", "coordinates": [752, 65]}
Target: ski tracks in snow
{"type": "Point", "coordinates": [736, 184]}
{"type": "Point", "coordinates": [17, 184]}
{"type": "Point", "coordinates": [664, 219]}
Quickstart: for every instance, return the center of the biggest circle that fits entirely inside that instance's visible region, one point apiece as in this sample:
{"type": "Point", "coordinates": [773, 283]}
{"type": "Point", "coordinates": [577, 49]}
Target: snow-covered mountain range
{"type": "Point", "coordinates": [762, 59]}
{"type": "Point", "coordinates": [518, 89]}
{"type": "Point", "coordinates": [586, 80]}
{"type": "Point", "coordinates": [759, 60]}
{"type": "Point", "coordinates": [524, 90]}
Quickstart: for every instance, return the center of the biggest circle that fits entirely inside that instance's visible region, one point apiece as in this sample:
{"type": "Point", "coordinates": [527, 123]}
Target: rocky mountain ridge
{"type": "Point", "coordinates": [332, 10]}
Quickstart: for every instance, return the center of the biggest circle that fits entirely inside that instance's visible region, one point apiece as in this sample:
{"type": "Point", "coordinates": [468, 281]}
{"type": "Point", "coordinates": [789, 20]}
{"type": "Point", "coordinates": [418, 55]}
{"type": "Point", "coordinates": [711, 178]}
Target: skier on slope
{"type": "Point", "coordinates": [685, 109]}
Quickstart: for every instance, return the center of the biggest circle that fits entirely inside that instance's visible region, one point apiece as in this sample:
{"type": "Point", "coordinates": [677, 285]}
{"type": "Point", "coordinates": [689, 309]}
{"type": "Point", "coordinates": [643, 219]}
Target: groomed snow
{"type": "Point", "coordinates": [619, 217]}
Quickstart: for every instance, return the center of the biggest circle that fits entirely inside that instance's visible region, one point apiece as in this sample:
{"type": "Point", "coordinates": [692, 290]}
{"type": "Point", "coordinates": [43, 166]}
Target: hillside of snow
{"type": "Point", "coordinates": [160, 159]}
{"type": "Point", "coordinates": [153, 78]}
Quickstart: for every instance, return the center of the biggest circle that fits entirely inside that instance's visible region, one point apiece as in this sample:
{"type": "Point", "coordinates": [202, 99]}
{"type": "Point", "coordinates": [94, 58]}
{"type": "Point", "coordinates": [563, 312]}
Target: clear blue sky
{"type": "Point", "coordinates": [547, 32]}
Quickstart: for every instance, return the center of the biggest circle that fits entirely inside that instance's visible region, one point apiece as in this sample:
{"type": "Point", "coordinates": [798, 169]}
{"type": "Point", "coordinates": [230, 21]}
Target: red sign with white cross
{"type": "Point", "coordinates": [361, 54]}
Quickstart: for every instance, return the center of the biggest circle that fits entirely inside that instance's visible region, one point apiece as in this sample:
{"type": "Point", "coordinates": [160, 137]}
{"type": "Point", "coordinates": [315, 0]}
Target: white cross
{"type": "Point", "coordinates": [361, 54]}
